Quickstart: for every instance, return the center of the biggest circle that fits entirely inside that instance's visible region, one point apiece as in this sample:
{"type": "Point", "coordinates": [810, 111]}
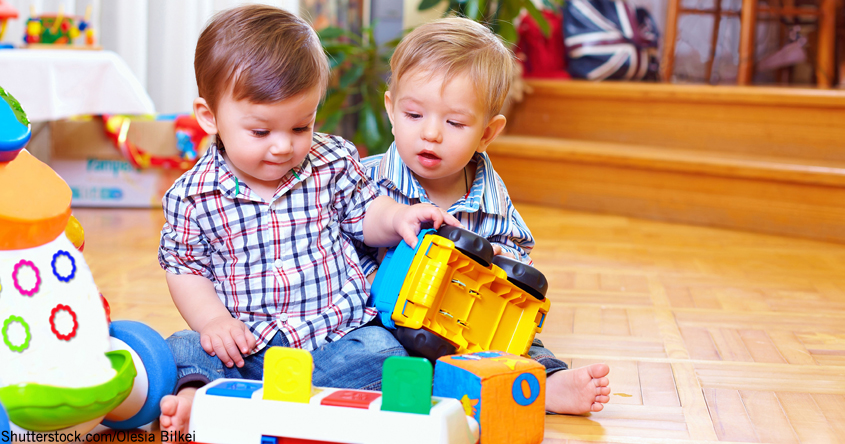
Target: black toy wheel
{"type": "Point", "coordinates": [474, 246]}
{"type": "Point", "coordinates": [421, 342]}
{"type": "Point", "coordinates": [523, 276]}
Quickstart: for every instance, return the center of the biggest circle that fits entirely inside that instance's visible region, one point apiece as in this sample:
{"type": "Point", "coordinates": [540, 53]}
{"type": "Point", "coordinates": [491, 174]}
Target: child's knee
{"type": "Point", "coordinates": [184, 344]}
{"type": "Point", "coordinates": [381, 340]}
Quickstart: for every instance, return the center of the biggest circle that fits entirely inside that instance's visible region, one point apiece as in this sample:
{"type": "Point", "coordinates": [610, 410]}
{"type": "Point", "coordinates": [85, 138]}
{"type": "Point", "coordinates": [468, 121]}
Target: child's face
{"type": "Point", "coordinates": [437, 129]}
{"type": "Point", "coordinates": [263, 141]}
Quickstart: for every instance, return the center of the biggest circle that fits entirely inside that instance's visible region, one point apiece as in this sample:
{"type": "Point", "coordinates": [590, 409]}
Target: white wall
{"type": "Point", "coordinates": [156, 38]}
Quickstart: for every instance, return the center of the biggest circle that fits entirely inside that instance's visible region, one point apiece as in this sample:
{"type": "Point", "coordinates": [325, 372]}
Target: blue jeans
{"type": "Point", "coordinates": [354, 361]}
{"type": "Point", "coordinates": [544, 356]}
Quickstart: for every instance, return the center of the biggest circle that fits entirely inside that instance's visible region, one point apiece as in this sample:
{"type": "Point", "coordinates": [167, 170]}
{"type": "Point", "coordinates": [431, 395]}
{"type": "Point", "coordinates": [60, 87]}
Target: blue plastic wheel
{"type": "Point", "coordinates": [4, 422]}
{"type": "Point", "coordinates": [159, 364]}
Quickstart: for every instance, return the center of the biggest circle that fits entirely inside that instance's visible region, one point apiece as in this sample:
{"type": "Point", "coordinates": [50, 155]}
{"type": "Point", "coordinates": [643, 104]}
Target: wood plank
{"type": "Point", "coordinates": [773, 121]}
{"type": "Point", "coordinates": [605, 346]}
{"type": "Point", "coordinates": [587, 321]}
{"type": "Point", "coordinates": [661, 158]}
{"type": "Point", "coordinates": [700, 344]}
{"type": "Point", "coordinates": [791, 348]}
{"type": "Point", "coordinates": [729, 416]}
{"type": "Point", "coordinates": [642, 323]}
{"type": "Point", "coordinates": [658, 384]}
{"type": "Point", "coordinates": [772, 377]}
{"type": "Point", "coordinates": [806, 418]}
{"type": "Point", "coordinates": [833, 408]}
{"type": "Point", "coordinates": [614, 322]}
{"type": "Point", "coordinates": [690, 392]}
{"type": "Point", "coordinates": [797, 322]}
{"type": "Point", "coordinates": [767, 415]}
{"type": "Point", "coordinates": [730, 345]}
{"type": "Point", "coordinates": [760, 346]}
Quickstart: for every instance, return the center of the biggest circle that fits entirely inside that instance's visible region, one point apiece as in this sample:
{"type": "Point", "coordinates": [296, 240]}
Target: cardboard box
{"type": "Point", "coordinates": [98, 175]}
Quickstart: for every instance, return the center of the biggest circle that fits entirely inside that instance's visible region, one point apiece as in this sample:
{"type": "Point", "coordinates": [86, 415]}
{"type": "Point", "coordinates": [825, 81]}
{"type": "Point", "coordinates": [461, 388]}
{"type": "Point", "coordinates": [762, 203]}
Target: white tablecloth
{"type": "Point", "coordinates": [54, 84]}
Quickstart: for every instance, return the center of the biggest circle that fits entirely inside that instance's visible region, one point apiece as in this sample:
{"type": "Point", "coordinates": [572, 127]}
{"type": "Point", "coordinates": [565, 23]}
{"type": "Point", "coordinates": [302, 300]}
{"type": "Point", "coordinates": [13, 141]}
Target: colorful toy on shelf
{"type": "Point", "coordinates": [505, 393]}
{"type": "Point", "coordinates": [191, 140]}
{"type": "Point", "coordinates": [285, 408]}
{"type": "Point", "coordinates": [60, 29]}
{"type": "Point", "coordinates": [450, 295]}
{"type": "Point", "coordinates": [64, 367]}
{"type": "Point", "coordinates": [6, 12]}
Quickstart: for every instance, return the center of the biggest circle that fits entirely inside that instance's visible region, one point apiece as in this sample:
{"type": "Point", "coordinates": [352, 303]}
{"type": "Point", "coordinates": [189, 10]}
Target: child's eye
{"type": "Point", "coordinates": [412, 115]}
{"type": "Point", "coordinates": [302, 129]}
{"type": "Point", "coordinates": [456, 124]}
{"type": "Point", "coordinates": [260, 133]}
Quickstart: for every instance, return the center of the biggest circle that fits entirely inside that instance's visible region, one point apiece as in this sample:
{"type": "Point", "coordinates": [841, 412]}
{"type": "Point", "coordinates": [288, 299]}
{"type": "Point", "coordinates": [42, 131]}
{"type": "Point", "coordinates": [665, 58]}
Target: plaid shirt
{"type": "Point", "coordinates": [486, 210]}
{"type": "Point", "coordinates": [288, 265]}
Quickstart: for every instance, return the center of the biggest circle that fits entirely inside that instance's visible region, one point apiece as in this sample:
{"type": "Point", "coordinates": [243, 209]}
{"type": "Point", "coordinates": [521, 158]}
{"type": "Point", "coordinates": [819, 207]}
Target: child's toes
{"type": "Point", "coordinates": [603, 390]}
{"type": "Point", "coordinates": [602, 399]}
{"type": "Point", "coordinates": [596, 407]}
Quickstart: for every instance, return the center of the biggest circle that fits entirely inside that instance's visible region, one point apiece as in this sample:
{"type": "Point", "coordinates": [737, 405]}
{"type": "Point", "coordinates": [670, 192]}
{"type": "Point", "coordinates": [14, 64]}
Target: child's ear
{"type": "Point", "coordinates": [494, 127]}
{"type": "Point", "coordinates": [388, 106]}
{"type": "Point", "coordinates": [205, 117]}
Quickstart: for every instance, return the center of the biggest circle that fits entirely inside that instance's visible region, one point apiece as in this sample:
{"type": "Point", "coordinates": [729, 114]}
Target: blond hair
{"type": "Point", "coordinates": [453, 46]}
{"type": "Point", "coordinates": [264, 54]}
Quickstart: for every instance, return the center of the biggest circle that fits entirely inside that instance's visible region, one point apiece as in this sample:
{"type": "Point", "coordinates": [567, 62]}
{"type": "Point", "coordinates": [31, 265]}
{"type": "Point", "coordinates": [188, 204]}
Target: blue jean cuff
{"type": "Point", "coordinates": [191, 380]}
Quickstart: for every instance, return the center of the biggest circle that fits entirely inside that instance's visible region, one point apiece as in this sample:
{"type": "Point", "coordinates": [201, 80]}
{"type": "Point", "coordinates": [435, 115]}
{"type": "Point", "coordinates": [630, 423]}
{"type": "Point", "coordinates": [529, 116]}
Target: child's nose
{"type": "Point", "coordinates": [281, 145]}
{"type": "Point", "coordinates": [431, 133]}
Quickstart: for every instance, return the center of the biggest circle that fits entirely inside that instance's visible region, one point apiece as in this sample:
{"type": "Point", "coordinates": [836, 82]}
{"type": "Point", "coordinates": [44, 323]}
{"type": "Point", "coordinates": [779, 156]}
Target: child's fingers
{"type": "Point", "coordinates": [205, 342]}
{"type": "Point", "coordinates": [240, 338]}
{"type": "Point", "coordinates": [409, 235]}
{"type": "Point", "coordinates": [235, 357]}
{"type": "Point", "coordinates": [448, 219]}
{"type": "Point", "coordinates": [250, 339]}
{"type": "Point", "coordinates": [221, 352]}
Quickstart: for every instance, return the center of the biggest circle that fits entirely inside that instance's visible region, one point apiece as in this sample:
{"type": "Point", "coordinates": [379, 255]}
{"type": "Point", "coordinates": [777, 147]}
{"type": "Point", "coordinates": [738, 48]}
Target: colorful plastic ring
{"type": "Point", "coordinates": [37, 278]}
{"type": "Point", "coordinates": [72, 263]}
{"type": "Point", "coordinates": [53, 313]}
{"type": "Point", "coordinates": [6, 324]}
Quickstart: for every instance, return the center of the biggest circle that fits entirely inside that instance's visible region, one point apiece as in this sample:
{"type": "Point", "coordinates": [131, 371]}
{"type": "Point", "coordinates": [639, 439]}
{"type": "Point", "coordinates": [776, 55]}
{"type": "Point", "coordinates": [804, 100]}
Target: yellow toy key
{"type": "Point", "coordinates": [287, 374]}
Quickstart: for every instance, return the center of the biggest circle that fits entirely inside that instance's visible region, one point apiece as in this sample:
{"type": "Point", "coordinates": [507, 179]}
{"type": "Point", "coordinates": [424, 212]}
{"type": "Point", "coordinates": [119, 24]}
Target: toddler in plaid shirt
{"type": "Point", "coordinates": [257, 242]}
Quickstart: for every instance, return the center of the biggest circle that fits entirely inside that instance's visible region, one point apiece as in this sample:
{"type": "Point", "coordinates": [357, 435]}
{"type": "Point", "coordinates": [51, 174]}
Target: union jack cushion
{"type": "Point", "coordinates": [607, 39]}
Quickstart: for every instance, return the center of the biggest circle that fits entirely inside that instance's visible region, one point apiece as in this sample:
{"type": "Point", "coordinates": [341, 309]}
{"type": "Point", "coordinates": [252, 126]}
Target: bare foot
{"type": "Point", "coordinates": [578, 391]}
{"type": "Point", "coordinates": [176, 410]}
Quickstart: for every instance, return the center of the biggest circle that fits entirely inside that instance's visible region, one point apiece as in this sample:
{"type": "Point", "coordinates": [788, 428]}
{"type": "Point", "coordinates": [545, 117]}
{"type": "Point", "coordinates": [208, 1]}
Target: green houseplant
{"type": "Point", "coordinates": [499, 15]}
{"type": "Point", "coordinates": [359, 71]}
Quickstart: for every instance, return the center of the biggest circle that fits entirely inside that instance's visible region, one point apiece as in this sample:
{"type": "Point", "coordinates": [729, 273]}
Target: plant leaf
{"type": "Point", "coordinates": [351, 76]}
{"type": "Point", "coordinates": [538, 18]}
{"type": "Point", "coordinates": [427, 4]}
{"type": "Point", "coordinates": [368, 126]}
{"type": "Point", "coordinates": [336, 59]}
{"type": "Point", "coordinates": [507, 31]}
{"type": "Point", "coordinates": [335, 99]}
{"type": "Point", "coordinates": [331, 32]}
{"type": "Point", "coordinates": [331, 122]}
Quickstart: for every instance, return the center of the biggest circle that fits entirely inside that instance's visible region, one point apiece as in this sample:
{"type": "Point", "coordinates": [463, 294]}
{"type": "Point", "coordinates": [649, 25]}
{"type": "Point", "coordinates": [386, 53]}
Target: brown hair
{"type": "Point", "coordinates": [453, 46]}
{"type": "Point", "coordinates": [264, 54]}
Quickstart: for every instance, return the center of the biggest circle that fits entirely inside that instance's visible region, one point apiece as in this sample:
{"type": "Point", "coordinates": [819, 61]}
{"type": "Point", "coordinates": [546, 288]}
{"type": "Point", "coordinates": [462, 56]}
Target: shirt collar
{"type": "Point", "coordinates": [211, 172]}
{"type": "Point", "coordinates": [487, 193]}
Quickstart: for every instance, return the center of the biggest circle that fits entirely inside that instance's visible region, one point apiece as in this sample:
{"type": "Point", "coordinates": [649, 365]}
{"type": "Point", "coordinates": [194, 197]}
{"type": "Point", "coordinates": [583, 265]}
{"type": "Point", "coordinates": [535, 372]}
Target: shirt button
{"type": "Point", "coordinates": [278, 263]}
{"type": "Point", "coordinates": [283, 317]}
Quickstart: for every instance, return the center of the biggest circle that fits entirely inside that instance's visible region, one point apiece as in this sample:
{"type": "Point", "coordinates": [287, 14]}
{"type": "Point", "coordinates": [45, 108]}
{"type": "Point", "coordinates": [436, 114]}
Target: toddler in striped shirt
{"type": "Point", "coordinates": [449, 80]}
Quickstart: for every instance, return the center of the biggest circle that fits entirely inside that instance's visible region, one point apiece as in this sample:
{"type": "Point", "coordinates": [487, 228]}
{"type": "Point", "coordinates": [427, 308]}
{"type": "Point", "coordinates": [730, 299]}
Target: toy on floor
{"type": "Point", "coordinates": [60, 29]}
{"type": "Point", "coordinates": [505, 393]}
{"type": "Point", "coordinates": [6, 12]}
{"type": "Point", "coordinates": [64, 367]}
{"type": "Point", "coordinates": [285, 408]}
{"type": "Point", "coordinates": [451, 295]}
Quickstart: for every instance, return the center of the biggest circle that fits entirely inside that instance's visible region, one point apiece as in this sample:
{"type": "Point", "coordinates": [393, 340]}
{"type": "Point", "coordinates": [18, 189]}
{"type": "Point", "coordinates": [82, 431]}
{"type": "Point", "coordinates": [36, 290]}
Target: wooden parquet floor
{"type": "Point", "coordinates": [711, 335]}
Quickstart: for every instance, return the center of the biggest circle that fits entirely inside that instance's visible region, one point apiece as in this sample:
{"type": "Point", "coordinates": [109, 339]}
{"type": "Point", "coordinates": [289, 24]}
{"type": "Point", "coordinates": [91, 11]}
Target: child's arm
{"type": "Point", "coordinates": [387, 222]}
{"type": "Point", "coordinates": [221, 335]}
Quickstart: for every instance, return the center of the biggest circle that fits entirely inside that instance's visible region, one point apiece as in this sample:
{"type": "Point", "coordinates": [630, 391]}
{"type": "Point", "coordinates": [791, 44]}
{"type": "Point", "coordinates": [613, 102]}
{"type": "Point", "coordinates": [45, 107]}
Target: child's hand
{"type": "Point", "coordinates": [228, 339]}
{"type": "Point", "coordinates": [499, 251]}
{"type": "Point", "coordinates": [409, 219]}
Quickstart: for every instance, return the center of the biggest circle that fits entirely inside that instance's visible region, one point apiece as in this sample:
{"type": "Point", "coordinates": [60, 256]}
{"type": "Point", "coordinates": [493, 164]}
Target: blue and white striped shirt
{"type": "Point", "coordinates": [487, 209]}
